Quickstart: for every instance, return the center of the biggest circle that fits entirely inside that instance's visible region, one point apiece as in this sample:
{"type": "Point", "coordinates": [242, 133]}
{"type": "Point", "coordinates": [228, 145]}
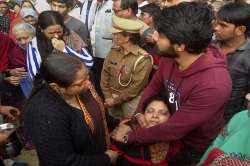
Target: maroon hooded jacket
{"type": "Point", "coordinates": [198, 96]}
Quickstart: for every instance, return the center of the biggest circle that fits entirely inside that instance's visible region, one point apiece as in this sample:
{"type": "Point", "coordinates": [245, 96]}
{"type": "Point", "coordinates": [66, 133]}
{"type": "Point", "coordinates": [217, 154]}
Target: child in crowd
{"type": "Point", "coordinates": [156, 112]}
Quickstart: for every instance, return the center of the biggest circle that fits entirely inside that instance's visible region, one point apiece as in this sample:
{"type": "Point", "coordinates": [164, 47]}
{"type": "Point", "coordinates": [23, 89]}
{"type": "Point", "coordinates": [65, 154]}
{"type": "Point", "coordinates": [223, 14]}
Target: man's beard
{"type": "Point", "coordinates": [218, 38]}
{"type": "Point", "coordinates": [168, 53]}
{"type": "Point", "coordinates": [222, 39]}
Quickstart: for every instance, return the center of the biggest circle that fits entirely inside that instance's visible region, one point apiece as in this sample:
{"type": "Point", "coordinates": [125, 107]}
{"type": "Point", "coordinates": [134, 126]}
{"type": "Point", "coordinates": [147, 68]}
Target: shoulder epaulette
{"type": "Point", "coordinates": [143, 52]}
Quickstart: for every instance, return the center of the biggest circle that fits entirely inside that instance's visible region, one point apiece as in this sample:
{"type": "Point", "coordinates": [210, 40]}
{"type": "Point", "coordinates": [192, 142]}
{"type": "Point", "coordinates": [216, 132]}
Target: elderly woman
{"type": "Point", "coordinates": [66, 118]}
{"type": "Point", "coordinates": [23, 33]}
{"type": "Point", "coordinates": [15, 69]}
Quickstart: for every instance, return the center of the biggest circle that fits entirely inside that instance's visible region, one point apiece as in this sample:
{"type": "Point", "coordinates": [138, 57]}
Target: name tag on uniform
{"type": "Point", "coordinates": [108, 11]}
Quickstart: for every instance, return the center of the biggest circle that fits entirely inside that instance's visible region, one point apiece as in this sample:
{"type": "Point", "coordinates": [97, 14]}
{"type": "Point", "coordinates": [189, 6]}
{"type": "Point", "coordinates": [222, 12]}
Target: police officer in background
{"type": "Point", "coordinates": [126, 68]}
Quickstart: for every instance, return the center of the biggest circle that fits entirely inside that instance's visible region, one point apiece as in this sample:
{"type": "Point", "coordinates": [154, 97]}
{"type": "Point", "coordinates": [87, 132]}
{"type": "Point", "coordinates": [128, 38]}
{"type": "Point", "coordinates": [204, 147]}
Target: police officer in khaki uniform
{"type": "Point", "coordinates": [126, 69]}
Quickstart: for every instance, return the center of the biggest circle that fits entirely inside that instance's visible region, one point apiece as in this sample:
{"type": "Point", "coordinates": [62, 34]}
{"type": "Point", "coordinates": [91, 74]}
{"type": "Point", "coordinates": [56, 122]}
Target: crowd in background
{"type": "Point", "coordinates": [126, 82]}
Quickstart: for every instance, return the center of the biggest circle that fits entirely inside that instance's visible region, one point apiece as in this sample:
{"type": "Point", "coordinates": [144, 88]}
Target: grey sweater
{"type": "Point", "coordinates": [239, 69]}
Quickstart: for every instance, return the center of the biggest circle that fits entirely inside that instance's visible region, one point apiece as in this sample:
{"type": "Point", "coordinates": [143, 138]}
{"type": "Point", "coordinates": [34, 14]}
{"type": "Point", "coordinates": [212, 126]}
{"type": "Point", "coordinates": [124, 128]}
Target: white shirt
{"type": "Point", "coordinates": [41, 5]}
{"type": "Point", "coordinates": [101, 37]}
{"type": "Point", "coordinates": [91, 13]}
{"type": "Point", "coordinates": [141, 5]}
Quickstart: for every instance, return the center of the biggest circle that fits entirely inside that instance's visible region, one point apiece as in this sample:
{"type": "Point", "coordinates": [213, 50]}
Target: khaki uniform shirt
{"type": "Point", "coordinates": [116, 64]}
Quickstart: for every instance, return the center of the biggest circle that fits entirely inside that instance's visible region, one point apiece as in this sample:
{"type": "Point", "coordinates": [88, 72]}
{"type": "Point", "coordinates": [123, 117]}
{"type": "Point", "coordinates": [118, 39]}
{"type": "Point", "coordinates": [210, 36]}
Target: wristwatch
{"type": "Point", "coordinates": [125, 139]}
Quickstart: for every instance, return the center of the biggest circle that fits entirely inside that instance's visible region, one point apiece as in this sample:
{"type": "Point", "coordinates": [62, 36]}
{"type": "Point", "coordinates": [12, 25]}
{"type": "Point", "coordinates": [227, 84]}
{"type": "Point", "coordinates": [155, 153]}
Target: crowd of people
{"type": "Point", "coordinates": [126, 82]}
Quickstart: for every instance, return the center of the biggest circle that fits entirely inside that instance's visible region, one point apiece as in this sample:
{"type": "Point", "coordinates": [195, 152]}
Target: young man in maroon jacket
{"type": "Point", "coordinates": [193, 76]}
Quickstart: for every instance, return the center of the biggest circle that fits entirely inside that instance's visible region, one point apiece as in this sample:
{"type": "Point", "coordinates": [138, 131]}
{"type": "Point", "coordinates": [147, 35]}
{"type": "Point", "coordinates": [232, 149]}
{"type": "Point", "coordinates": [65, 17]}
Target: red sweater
{"type": "Point", "coordinates": [5, 44]}
{"type": "Point", "coordinates": [11, 55]}
{"type": "Point", "coordinates": [198, 96]}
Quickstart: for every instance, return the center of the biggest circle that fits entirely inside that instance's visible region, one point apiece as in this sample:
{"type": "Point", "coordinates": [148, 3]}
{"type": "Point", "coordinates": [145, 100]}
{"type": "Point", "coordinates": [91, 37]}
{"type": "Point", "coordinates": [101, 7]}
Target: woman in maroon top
{"type": "Point", "coordinates": [156, 112]}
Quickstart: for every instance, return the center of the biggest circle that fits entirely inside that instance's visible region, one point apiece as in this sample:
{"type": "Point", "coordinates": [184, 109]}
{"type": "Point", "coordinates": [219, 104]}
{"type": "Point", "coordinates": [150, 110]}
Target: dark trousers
{"type": "Point", "coordinates": [97, 71]}
{"type": "Point", "coordinates": [187, 157]}
{"type": "Point", "coordinates": [1, 163]}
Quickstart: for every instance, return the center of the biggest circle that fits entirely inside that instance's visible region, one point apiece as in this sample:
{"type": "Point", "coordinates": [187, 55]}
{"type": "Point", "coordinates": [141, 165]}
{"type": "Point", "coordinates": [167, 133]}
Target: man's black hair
{"type": "Point", "coordinates": [69, 3]}
{"type": "Point", "coordinates": [152, 9]}
{"type": "Point", "coordinates": [132, 4]}
{"type": "Point", "coordinates": [188, 23]}
{"type": "Point", "coordinates": [235, 13]}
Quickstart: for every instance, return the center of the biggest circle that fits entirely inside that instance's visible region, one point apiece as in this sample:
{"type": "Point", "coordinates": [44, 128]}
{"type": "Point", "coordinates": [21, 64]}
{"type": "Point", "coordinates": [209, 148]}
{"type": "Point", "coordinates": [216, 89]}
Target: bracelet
{"type": "Point", "coordinates": [137, 114]}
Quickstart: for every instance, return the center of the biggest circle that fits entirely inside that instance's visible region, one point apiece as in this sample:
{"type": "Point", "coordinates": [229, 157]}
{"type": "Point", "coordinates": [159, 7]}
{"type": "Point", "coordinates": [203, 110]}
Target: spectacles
{"type": "Point", "coordinates": [82, 82]}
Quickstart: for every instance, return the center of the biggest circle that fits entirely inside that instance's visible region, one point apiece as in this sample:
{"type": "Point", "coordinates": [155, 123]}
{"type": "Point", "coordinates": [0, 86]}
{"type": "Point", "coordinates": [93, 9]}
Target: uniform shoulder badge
{"type": "Point", "coordinates": [143, 52]}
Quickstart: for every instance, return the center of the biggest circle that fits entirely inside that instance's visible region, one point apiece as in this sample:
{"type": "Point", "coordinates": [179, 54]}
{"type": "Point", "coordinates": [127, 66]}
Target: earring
{"type": "Point", "coordinates": [57, 90]}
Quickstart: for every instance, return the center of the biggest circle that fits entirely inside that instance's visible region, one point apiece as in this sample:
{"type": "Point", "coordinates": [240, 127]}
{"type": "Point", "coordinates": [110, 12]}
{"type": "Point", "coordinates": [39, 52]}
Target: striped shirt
{"type": "Point", "coordinates": [34, 58]}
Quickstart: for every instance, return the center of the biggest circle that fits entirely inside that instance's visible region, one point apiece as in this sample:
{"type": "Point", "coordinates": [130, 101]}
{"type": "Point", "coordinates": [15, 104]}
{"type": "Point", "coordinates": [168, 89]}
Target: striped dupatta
{"type": "Point", "coordinates": [34, 58]}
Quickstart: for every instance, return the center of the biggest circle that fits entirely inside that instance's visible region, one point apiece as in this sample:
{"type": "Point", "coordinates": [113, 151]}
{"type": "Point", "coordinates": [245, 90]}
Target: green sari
{"type": "Point", "coordinates": [236, 142]}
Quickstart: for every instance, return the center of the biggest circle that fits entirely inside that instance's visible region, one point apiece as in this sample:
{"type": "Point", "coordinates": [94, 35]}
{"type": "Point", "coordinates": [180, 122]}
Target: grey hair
{"type": "Point", "coordinates": [24, 26]}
